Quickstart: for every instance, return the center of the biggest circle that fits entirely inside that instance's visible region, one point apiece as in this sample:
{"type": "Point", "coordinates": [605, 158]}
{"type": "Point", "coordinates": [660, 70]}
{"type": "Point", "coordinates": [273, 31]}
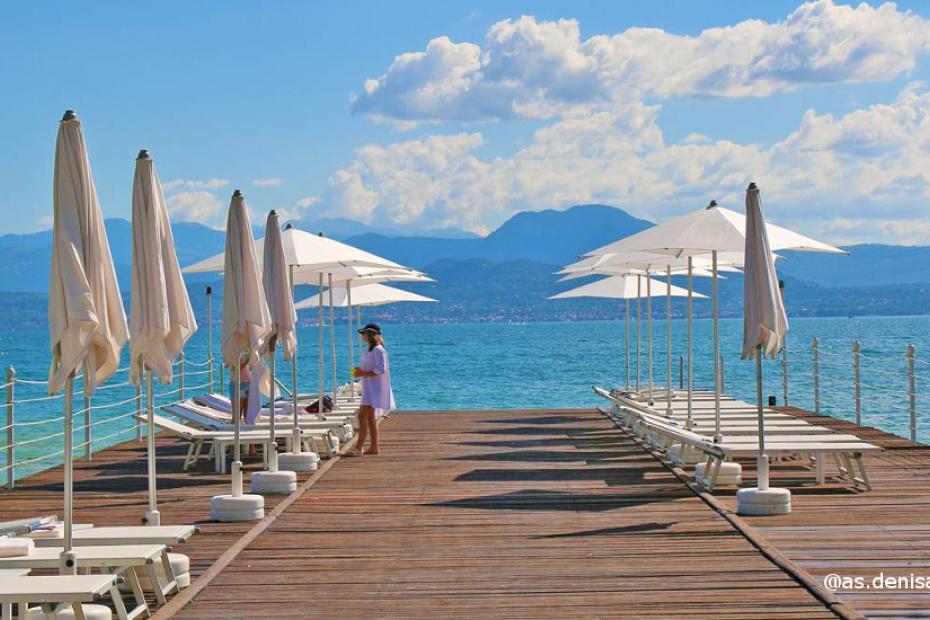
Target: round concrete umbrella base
{"type": "Point", "coordinates": [229, 508]}
{"type": "Point", "coordinates": [281, 481]}
{"type": "Point", "coordinates": [298, 461]}
{"type": "Point", "coordinates": [757, 502]}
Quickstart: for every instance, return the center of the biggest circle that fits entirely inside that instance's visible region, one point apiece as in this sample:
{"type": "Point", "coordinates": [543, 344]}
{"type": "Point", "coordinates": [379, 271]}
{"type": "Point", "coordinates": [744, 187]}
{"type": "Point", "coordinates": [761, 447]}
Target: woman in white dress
{"type": "Point", "coordinates": [377, 396]}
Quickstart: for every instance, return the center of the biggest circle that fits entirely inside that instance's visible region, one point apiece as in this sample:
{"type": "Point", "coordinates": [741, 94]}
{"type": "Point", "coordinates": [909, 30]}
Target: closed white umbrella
{"type": "Point", "coordinates": [712, 230]}
{"type": "Point", "coordinates": [246, 327]}
{"type": "Point", "coordinates": [764, 328]}
{"type": "Point", "coordinates": [87, 323]}
{"type": "Point", "coordinates": [366, 295]}
{"type": "Point", "coordinates": [161, 318]}
{"type": "Point", "coordinates": [283, 332]}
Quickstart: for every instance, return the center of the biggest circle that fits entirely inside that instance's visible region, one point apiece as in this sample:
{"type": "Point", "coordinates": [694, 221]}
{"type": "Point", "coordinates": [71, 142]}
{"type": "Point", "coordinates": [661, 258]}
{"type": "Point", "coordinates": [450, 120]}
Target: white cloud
{"type": "Point", "coordinates": [269, 182]}
{"type": "Point", "coordinates": [196, 206]}
{"type": "Point", "coordinates": [209, 184]}
{"type": "Point", "coordinates": [45, 222]}
{"type": "Point", "coordinates": [542, 69]}
{"type": "Point", "coordinates": [307, 201]}
{"type": "Point", "coordinates": [870, 165]}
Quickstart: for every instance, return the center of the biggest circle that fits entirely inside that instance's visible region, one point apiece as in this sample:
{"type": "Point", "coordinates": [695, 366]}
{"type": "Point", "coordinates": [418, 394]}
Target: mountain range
{"type": "Point", "coordinates": [507, 274]}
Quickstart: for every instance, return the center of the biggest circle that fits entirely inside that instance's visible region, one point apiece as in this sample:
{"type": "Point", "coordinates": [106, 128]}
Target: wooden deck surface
{"type": "Point", "coordinates": [833, 530]}
{"type": "Point", "coordinates": [541, 514]}
{"type": "Point", "coordinates": [521, 514]}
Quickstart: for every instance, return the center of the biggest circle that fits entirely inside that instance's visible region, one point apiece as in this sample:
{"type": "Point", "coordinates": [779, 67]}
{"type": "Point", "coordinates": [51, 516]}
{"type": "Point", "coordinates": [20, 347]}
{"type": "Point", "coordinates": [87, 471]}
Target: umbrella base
{"type": "Point", "coordinates": [281, 481]}
{"type": "Point", "coordinates": [65, 612]}
{"type": "Point", "coordinates": [298, 461]}
{"type": "Point", "coordinates": [180, 566]}
{"type": "Point", "coordinates": [757, 502]}
{"type": "Point", "coordinates": [230, 508]}
{"type": "Point", "coordinates": [730, 474]}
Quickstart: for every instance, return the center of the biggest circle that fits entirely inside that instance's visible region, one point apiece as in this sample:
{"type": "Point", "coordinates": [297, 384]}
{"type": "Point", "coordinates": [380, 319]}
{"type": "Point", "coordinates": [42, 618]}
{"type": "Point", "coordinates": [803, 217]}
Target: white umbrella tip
{"type": "Point", "coordinates": [713, 203]}
{"type": "Point", "coordinates": [69, 115]}
{"type": "Point", "coordinates": [143, 154]}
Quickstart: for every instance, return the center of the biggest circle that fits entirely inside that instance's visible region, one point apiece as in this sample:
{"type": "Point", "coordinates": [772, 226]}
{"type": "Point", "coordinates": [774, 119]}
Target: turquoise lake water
{"type": "Point", "coordinates": [496, 365]}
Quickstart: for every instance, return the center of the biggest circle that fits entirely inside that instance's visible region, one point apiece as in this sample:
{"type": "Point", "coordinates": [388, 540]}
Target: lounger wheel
{"type": "Point", "coordinates": [91, 612]}
{"type": "Point", "coordinates": [754, 502]}
{"type": "Point", "coordinates": [281, 481]}
{"type": "Point", "coordinates": [229, 508]}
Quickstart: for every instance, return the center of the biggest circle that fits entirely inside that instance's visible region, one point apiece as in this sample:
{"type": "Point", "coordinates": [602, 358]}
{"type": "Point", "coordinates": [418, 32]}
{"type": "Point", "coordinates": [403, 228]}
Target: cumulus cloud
{"type": "Point", "coordinates": [531, 68]}
{"type": "Point", "coordinates": [269, 182]}
{"type": "Point", "coordinates": [209, 184]}
{"type": "Point", "coordinates": [200, 206]}
{"type": "Point", "coordinates": [871, 164]}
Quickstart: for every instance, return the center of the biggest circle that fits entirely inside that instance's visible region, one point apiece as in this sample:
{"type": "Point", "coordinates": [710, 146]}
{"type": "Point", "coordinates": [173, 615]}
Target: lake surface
{"type": "Point", "coordinates": [496, 365]}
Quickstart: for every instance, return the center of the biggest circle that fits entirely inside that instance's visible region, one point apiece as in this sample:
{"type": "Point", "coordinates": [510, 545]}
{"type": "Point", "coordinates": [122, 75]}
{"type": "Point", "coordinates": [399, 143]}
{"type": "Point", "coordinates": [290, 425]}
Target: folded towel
{"type": "Point", "coordinates": [12, 547]}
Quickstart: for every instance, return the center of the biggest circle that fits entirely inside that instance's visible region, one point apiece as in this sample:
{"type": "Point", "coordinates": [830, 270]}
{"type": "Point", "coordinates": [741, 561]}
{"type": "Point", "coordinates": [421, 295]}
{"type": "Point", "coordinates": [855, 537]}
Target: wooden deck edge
{"type": "Point", "coordinates": [802, 577]}
{"type": "Point", "coordinates": [197, 586]}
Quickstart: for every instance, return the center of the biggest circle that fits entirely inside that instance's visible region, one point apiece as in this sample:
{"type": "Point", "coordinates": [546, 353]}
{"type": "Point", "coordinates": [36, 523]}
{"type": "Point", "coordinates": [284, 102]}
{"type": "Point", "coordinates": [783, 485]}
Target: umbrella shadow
{"type": "Point", "coordinates": [542, 420]}
{"type": "Point", "coordinates": [611, 476]}
{"type": "Point", "coordinates": [590, 442]}
{"type": "Point", "coordinates": [639, 528]}
{"type": "Point", "coordinates": [544, 456]}
{"type": "Point", "coordinates": [543, 500]}
{"type": "Point", "coordinates": [126, 484]}
{"type": "Point", "coordinates": [571, 431]}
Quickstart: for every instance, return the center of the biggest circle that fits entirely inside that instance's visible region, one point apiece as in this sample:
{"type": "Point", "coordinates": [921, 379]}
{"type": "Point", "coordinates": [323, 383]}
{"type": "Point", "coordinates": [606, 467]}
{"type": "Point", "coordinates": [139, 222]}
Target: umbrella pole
{"type": "Point", "coordinates": [763, 464]}
{"type": "Point", "coordinates": [690, 422]}
{"type": "Point", "coordinates": [319, 406]}
{"type": "Point", "coordinates": [350, 337]}
{"type": "Point", "coordinates": [67, 559]}
{"type": "Point", "coordinates": [237, 453]}
{"type": "Point", "coordinates": [649, 331]}
{"type": "Point", "coordinates": [639, 323]}
{"type": "Point", "coordinates": [718, 436]}
{"type": "Point", "coordinates": [152, 516]}
{"type": "Point", "coordinates": [210, 337]}
{"type": "Point", "coordinates": [295, 442]}
{"type": "Point", "coordinates": [626, 318]}
{"type": "Point", "coordinates": [332, 342]}
{"type": "Point", "coordinates": [668, 338]}
{"type": "Point", "coordinates": [272, 414]}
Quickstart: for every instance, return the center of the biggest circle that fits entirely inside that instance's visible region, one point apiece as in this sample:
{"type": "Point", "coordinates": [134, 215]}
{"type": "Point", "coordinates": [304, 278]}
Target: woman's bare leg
{"type": "Point", "coordinates": [374, 432]}
{"type": "Point", "coordinates": [362, 429]}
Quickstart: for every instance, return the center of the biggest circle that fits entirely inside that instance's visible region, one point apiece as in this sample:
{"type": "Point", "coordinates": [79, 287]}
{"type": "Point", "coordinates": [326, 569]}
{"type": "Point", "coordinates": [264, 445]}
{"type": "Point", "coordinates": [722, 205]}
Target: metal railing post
{"type": "Point", "coordinates": [181, 375]}
{"type": "Point", "coordinates": [210, 337]}
{"type": "Point", "coordinates": [784, 354]}
{"type": "Point", "coordinates": [10, 424]}
{"type": "Point", "coordinates": [139, 411]}
{"type": "Point", "coordinates": [857, 346]}
{"type": "Point", "coordinates": [723, 382]}
{"type": "Point", "coordinates": [681, 372]}
{"type": "Point", "coordinates": [912, 392]}
{"type": "Point", "coordinates": [87, 433]}
{"type": "Point", "coordinates": [816, 354]}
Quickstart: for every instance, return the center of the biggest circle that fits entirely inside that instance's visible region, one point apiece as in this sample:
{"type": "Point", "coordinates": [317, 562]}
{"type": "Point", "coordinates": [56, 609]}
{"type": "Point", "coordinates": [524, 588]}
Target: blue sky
{"type": "Point", "coordinates": [258, 95]}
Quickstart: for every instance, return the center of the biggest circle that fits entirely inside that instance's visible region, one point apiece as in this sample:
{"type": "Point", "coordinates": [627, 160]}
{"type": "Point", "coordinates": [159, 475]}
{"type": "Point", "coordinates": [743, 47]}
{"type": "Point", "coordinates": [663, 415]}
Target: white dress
{"type": "Point", "coordinates": [376, 391]}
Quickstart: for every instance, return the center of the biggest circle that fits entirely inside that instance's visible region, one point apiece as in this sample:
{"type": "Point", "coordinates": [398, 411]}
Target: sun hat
{"type": "Point", "coordinates": [371, 328]}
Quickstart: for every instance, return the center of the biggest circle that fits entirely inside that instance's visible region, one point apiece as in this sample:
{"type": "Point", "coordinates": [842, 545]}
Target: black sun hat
{"type": "Point", "coordinates": [371, 328]}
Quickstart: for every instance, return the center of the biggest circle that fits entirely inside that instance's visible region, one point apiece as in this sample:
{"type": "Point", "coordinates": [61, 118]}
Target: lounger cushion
{"type": "Point", "coordinates": [13, 547]}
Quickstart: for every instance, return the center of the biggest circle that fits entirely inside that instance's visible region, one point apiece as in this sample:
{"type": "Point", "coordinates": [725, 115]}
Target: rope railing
{"type": "Point", "coordinates": [31, 413]}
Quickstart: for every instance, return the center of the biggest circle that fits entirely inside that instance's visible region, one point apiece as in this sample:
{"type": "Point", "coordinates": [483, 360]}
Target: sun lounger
{"type": "Point", "coordinates": [118, 559]}
{"type": "Point", "coordinates": [847, 454]}
{"type": "Point", "coordinates": [283, 410]}
{"type": "Point", "coordinates": [87, 536]}
{"type": "Point", "coordinates": [54, 592]}
{"type": "Point", "coordinates": [220, 441]}
{"type": "Point", "coordinates": [343, 430]}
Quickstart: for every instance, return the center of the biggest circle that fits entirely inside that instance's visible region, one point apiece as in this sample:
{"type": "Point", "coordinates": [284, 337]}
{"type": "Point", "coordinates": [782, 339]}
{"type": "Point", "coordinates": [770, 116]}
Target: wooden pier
{"type": "Point", "coordinates": [520, 514]}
